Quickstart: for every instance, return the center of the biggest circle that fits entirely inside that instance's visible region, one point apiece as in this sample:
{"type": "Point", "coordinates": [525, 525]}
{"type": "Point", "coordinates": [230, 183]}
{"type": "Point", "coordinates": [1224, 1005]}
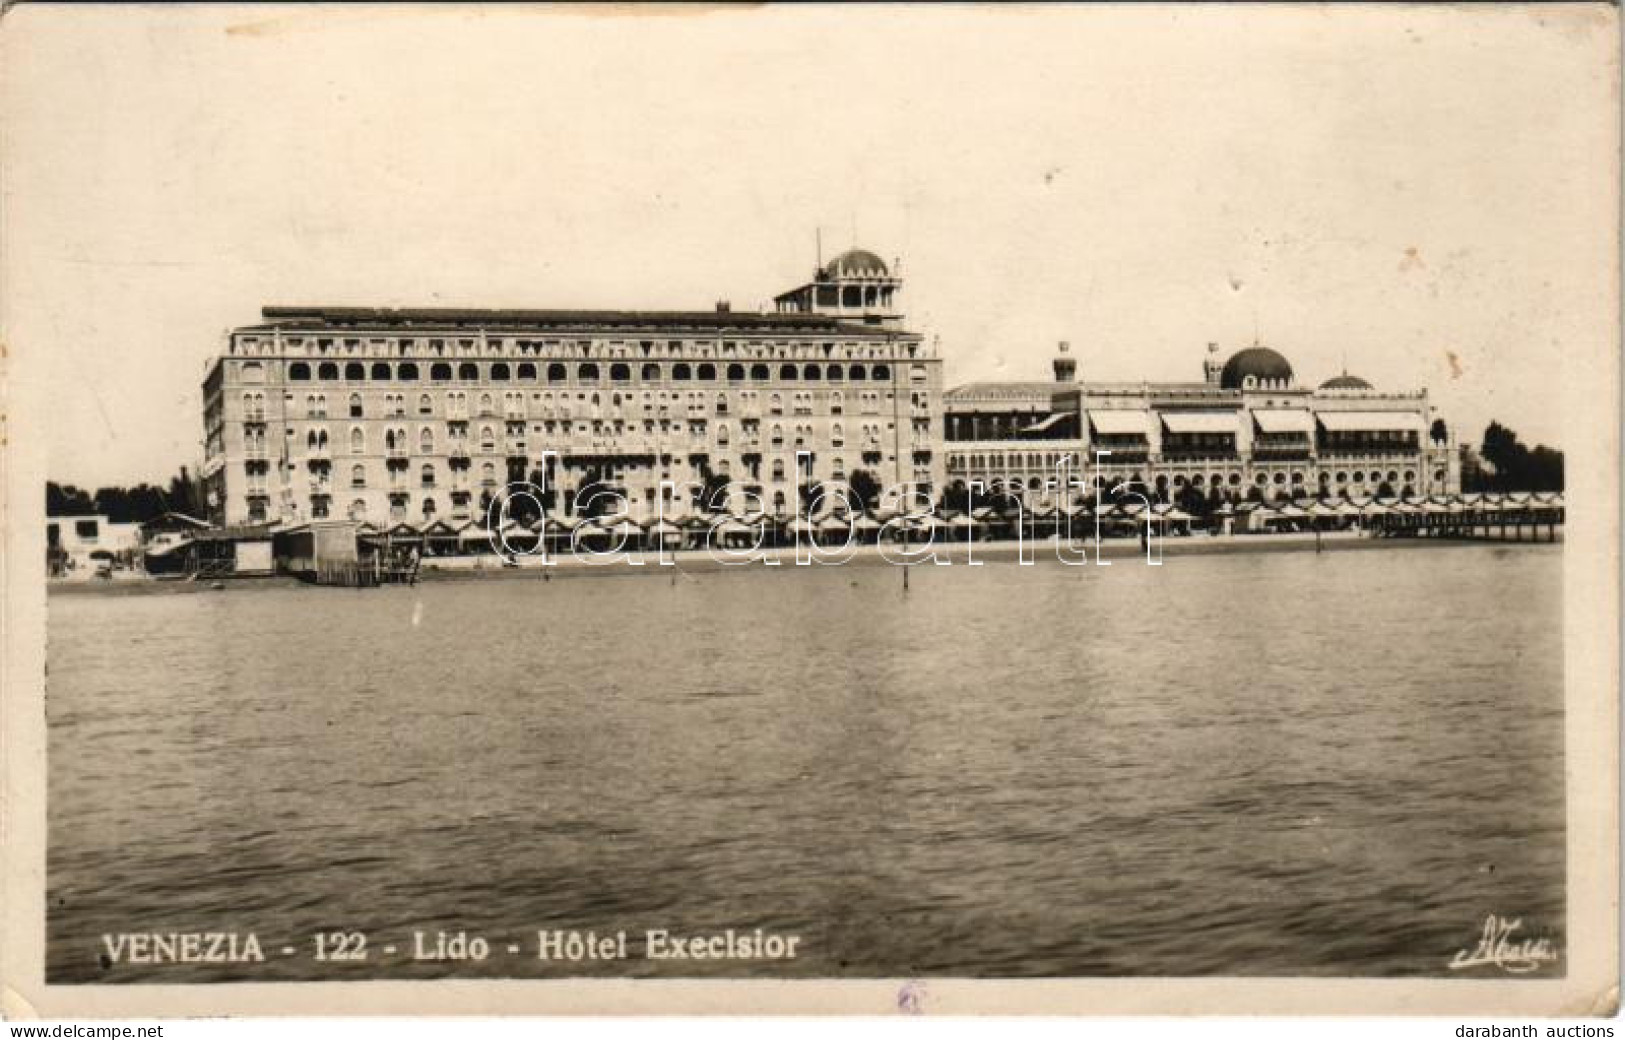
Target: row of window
{"type": "Point", "coordinates": [982, 463]}
{"type": "Point", "coordinates": [514, 404]}
{"type": "Point", "coordinates": [584, 372]}
{"type": "Point", "coordinates": [397, 441]}
{"type": "Point", "coordinates": [251, 345]}
{"type": "Point", "coordinates": [428, 476]}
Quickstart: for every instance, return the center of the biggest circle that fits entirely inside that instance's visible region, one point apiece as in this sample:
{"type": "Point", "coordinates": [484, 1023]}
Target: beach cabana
{"type": "Point", "coordinates": [867, 527]}
{"type": "Point", "coordinates": [965, 526]}
{"type": "Point", "coordinates": [835, 528]}
{"type": "Point", "coordinates": [1172, 516]}
{"type": "Point", "coordinates": [735, 531]}
{"type": "Point", "coordinates": [439, 539]}
{"type": "Point", "coordinates": [665, 533]}
{"type": "Point", "coordinates": [623, 530]}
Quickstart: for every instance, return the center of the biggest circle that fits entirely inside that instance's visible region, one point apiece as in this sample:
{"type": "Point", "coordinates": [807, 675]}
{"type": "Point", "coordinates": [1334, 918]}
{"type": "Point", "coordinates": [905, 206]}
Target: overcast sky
{"type": "Point", "coordinates": [1422, 194]}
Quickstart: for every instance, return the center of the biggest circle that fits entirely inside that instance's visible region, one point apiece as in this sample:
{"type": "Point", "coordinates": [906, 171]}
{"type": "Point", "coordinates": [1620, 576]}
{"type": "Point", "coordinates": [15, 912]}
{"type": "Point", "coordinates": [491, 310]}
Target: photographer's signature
{"type": "Point", "coordinates": [1497, 946]}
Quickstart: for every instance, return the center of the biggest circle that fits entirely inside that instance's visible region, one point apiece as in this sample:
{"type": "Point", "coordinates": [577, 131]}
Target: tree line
{"type": "Point", "coordinates": [1504, 463]}
{"type": "Point", "coordinates": [128, 505]}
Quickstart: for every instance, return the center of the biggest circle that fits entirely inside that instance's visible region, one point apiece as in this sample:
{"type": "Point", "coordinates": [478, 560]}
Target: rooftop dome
{"type": "Point", "coordinates": [1345, 382]}
{"type": "Point", "coordinates": [1259, 362]}
{"type": "Point", "coordinates": [856, 263]}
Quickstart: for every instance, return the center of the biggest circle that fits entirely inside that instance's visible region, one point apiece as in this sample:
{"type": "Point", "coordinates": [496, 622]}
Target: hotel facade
{"type": "Point", "coordinates": [413, 416]}
{"type": "Point", "coordinates": [392, 416]}
{"type": "Point", "coordinates": [1248, 430]}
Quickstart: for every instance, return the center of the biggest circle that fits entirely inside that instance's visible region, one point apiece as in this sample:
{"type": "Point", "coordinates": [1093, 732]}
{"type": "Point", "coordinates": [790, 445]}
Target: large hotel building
{"type": "Point", "coordinates": [411, 416]}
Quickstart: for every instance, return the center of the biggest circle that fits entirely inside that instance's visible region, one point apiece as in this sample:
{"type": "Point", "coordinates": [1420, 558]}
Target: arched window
{"type": "Point", "coordinates": [809, 373]}
{"type": "Point", "coordinates": [775, 404]}
{"type": "Point", "coordinates": [778, 469]}
{"type": "Point", "coordinates": [327, 370]}
{"type": "Point", "coordinates": [355, 406]}
{"type": "Point", "coordinates": [486, 405]}
{"type": "Point", "coordinates": [787, 373]}
{"type": "Point", "coordinates": [882, 372]}
{"type": "Point", "coordinates": [426, 441]}
{"type": "Point", "coordinates": [837, 436]}
{"type": "Point", "coordinates": [358, 511]}
{"type": "Point", "coordinates": [358, 475]}
{"type": "Point", "coordinates": [428, 509]}
{"type": "Point", "coordinates": [586, 372]}
{"type": "Point", "coordinates": [681, 371]}
{"type": "Point", "coordinates": [736, 373]}
{"type": "Point", "coordinates": [778, 436]}
{"type": "Point", "coordinates": [440, 372]}
{"type": "Point", "coordinates": [758, 371]}
{"type": "Point", "coordinates": [358, 441]}
{"type": "Point", "coordinates": [425, 404]}
{"type": "Point", "coordinates": [428, 475]}
{"type": "Point", "coordinates": [620, 372]}
{"type": "Point", "coordinates": [651, 372]}
{"type": "Point", "coordinates": [834, 374]}
{"type": "Point", "coordinates": [299, 371]}
{"type": "Point", "coordinates": [252, 372]}
{"type": "Point", "coordinates": [499, 372]}
{"type": "Point", "coordinates": [707, 371]}
{"type": "Point", "coordinates": [469, 372]}
{"type": "Point", "coordinates": [722, 403]}
{"type": "Point", "coordinates": [355, 371]}
{"type": "Point", "coordinates": [556, 373]}
{"type": "Point", "coordinates": [380, 371]}
{"type": "Point", "coordinates": [488, 439]}
{"type": "Point", "coordinates": [722, 435]}
{"type": "Point", "coordinates": [837, 402]}
{"type": "Point", "coordinates": [857, 373]}
{"type": "Point", "coordinates": [488, 474]}
{"type": "Point", "coordinates": [527, 370]}
{"type": "Point", "coordinates": [408, 371]}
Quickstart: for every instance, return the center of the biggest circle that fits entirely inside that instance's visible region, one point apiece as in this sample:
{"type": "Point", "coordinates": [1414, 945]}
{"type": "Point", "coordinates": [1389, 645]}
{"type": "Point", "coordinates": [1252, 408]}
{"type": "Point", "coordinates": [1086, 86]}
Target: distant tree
{"type": "Point", "coordinates": [813, 495]}
{"type": "Point", "coordinates": [67, 500]}
{"type": "Point", "coordinates": [549, 494]}
{"type": "Point", "coordinates": [1385, 490]}
{"type": "Point", "coordinates": [1513, 466]}
{"type": "Point", "coordinates": [593, 496]}
{"type": "Point", "coordinates": [714, 491]}
{"type": "Point", "coordinates": [866, 489]}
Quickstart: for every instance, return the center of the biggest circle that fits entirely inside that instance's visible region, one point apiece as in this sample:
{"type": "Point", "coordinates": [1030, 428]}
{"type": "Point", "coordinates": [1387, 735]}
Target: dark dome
{"type": "Point", "coordinates": [1345, 382]}
{"type": "Point", "coordinates": [856, 263]}
{"type": "Point", "coordinates": [1259, 362]}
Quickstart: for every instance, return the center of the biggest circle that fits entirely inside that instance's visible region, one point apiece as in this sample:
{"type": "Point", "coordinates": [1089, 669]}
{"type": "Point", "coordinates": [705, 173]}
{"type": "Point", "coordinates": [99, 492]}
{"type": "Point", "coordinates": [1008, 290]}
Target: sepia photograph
{"type": "Point", "coordinates": [880, 509]}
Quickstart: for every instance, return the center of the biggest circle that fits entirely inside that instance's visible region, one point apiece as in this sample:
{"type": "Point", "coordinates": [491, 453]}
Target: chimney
{"type": "Point", "coordinates": [1066, 367]}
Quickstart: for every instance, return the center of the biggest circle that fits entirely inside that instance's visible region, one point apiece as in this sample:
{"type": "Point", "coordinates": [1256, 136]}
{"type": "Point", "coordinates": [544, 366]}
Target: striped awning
{"type": "Point", "coordinates": [1374, 422]}
{"type": "Point", "coordinates": [1284, 420]}
{"type": "Point", "coordinates": [1200, 422]}
{"type": "Point", "coordinates": [1132, 422]}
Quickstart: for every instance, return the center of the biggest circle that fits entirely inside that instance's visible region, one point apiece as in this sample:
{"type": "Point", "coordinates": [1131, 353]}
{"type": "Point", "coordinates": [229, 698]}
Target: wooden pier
{"type": "Point", "coordinates": [1533, 520]}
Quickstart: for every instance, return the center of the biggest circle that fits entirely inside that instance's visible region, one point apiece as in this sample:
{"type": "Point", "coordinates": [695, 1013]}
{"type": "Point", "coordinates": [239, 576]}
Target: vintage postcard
{"type": "Point", "coordinates": [818, 509]}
